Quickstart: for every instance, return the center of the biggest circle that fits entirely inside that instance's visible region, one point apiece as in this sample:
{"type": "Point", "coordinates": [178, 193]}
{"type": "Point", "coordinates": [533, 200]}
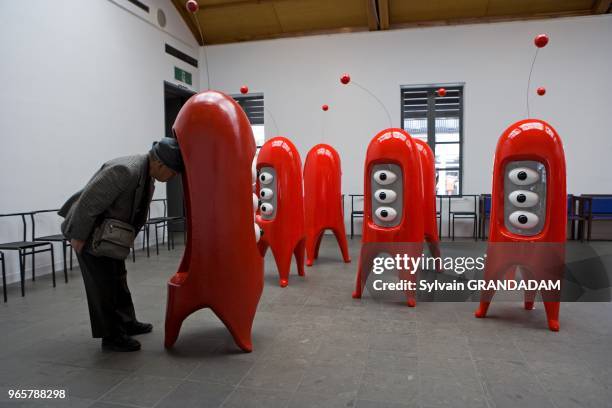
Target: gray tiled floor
{"type": "Point", "coordinates": [314, 347]}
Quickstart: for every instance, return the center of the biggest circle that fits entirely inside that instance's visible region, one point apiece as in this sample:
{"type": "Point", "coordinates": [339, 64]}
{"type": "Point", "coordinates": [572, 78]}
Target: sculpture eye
{"type": "Point", "coordinates": [523, 198]}
{"type": "Point", "coordinates": [386, 214]}
{"type": "Point", "coordinates": [384, 177]}
{"type": "Point", "coordinates": [385, 196]}
{"type": "Point", "coordinates": [266, 208]}
{"type": "Point", "coordinates": [523, 219]}
{"type": "Point", "coordinates": [523, 176]}
{"type": "Point", "coordinates": [266, 193]}
{"type": "Point", "coordinates": [265, 178]}
{"type": "Point", "coordinates": [258, 232]}
{"type": "Point", "coordinates": [255, 202]}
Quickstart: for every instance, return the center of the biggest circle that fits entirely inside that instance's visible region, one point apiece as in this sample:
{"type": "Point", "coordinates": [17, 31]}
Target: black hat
{"type": "Point", "coordinates": [168, 152]}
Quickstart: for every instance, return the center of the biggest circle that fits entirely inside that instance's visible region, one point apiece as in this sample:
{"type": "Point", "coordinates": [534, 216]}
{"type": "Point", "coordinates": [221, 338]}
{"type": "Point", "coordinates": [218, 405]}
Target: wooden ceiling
{"type": "Point", "coordinates": [226, 21]}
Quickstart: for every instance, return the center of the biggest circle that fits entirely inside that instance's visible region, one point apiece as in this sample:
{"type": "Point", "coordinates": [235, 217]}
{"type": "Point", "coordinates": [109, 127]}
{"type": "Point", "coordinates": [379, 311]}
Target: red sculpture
{"type": "Point", "coordinates": [323, 200]}
{"type": "Point", "coordinates": [441, 92]}
{"type": "Point", "coordinates": [345, 79]}
{"type": "Point", "coordinates": [325, 108]}
{"type": "Point", "coordinates": [528, 212]}
{"type": "Point", "coordinates": [541, 91]}
{"type": "Point", "coordinates": [192, 6]}
{"type": "Point", "coordinates": [540, 40]}
{"type": "Point", "coordinates": [221, 267]}
{"type": "Point", "coordinates": [393, 201]}
{"type": "Point", "coordinates": [281, 211]}
{"type": "Point", "coordinates": [428, 171]}
{"type": "Point", "coordinates": [244, 89]}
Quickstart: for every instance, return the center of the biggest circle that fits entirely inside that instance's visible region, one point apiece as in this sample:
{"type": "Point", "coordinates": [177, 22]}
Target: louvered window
{"type": "Point", "coordinates": [253, 106]}
{"type": "Point", "coordinates": [438, 120]}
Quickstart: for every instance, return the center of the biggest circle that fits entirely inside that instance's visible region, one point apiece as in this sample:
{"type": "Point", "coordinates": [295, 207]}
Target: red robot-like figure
{"type": "Point", "coordinates": [528, 212]}
{"type": "Point", "coordinates": [323, 200]}
{"type": "Point", "coordinates": [428, 171]}
{"type": "Point", "coordinates": [393, 201]}
{"type": "Point", "coordinates": [281, 209]}
{"type": "Point", "coordinates": [221, 267]}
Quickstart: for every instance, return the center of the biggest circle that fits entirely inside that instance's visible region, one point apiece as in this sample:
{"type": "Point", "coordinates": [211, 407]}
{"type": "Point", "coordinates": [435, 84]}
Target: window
{"type": "Point", "coordinates": [253, 106]}
{"type": "Point", "coordinates": [438, 120]}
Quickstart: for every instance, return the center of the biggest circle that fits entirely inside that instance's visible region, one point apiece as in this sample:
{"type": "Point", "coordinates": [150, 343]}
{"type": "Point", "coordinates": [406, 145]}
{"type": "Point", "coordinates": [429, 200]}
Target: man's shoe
{"type": "Point", "coordinates": [135, 328]}
{"type": "Point", "coordinates": [120, 342]}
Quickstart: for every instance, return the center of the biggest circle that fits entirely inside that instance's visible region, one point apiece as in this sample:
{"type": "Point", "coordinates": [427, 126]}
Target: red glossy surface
{"type": "Point", "coordinates": [325, 108]}
{"type": "Point", "coordinates": [441, 92]}
{"type": "Point", "coordinates": [541, 91]}
{"type": "Point", "coordinates": [428, 171]}
{"type": "Point", "coordinates": [528, 139]}
{"type": "Point", "coordinates": [323, 200]}
{"type": "Point", "coordinates": [345, 79]}
{"type": "Point", "coordinates": [192, 6]}
{"type": "Point", "coordinates": [284, 234]}
{"type": "Point", "coordinates": [219, 202]}
{"type": "Point", "coordinates": [540, 40]}
{"type": "Point", "coordinates": [244, 89]}
{"type": "Point", "coordinates": [397, 147]}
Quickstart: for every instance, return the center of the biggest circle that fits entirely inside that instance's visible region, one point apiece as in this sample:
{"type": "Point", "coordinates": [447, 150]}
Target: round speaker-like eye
{"type": "Point", "coordinates": [523, 198]}
{"type": "Point", "coordinates": [266, 208]}
{"type": "Point", "coordinates": [258, 232]}
{"type": "Point", "coordinates": [523, 219]}
{"type": "Point", "coordinates": [255, 202]}
{"type": "Point", "coordinates": [385, 177]}
{"type": "Point", "coordinates": [523, 176]}
{"type": "Point", "coordinates": [385, 196]}
{"type": "Point", "coordinates": [266, 193]}
{"type": "Point", "coordinates": [265, 178]}
{"type": "Point", "coordinates": [386, 214]}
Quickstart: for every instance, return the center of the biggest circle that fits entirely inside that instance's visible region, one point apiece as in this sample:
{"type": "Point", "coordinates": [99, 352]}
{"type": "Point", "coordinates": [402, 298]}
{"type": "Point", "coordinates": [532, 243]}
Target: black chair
{"type": "Point", "coordinates": [59, 238]}
{"type": "Point", "coordinates": [462, 214]}
{"type": "Point", "coordinates": [354, 213]}
{"type": "Point", "coordinates": [3, 275]}
{"type": "Point", "coordinates": [576, 216]}
{"type": "Point", "coordinates": [164, 222]}
{"type": "Point", "coordinates": [597, 207]}
{"type": "Point", "coordinates": [484, 213]}
{"type": "Point", "coordinates": [26, 248]}
{"type": "Point", "coordinates": [439, 214]}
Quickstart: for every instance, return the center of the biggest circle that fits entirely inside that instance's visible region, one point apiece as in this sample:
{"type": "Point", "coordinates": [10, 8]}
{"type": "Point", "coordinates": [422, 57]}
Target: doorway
{"type": "Point", "coordinates": [174, 99]}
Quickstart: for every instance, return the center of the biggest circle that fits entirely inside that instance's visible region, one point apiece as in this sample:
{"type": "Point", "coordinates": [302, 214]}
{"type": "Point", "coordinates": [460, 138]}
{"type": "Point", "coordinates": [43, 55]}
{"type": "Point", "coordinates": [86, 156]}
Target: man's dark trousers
{"type": "Point", "coordinates": [108, 296]}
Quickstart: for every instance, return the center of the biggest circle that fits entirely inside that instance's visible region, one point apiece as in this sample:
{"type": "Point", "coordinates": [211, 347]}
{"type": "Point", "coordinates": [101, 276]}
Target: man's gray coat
{"type": "Point", "coordinates": [121, 189]}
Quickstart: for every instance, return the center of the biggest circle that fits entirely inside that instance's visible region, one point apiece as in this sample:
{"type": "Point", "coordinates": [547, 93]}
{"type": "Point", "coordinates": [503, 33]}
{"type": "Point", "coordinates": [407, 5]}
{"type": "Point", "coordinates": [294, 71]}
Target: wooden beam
{"type": "Point", "coordinates": [372, 15]}
{"type": "Point", "coordinates": [602, 6]}
{"type": "Point", "coordinates": [189, 20]}
{"type": "Point", "coordinates": [237, 3]}
{"type": "Point", "coordinates": [383, 14]}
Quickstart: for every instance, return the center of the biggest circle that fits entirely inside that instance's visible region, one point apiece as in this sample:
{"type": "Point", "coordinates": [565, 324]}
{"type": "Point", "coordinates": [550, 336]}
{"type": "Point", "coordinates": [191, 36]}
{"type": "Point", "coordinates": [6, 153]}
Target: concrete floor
{"type": "Point", "coordinates": [314, 347]}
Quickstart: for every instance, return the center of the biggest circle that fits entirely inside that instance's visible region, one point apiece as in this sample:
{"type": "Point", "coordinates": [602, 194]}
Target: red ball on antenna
{"type": "Point", "coordinates": [441, 92]}
{"type": "Point", "coordinates": [541, 91]}
{"type": "Point", "coordinates": [345, 79]}
{"type": "Point", "coordinates": [540, 40]}
{"type": "Point", "coordinates": [192, 6]}
{"type": "Point", "coordinates": [244, 89]}
{"type": "Point", "coordinates": [325, 108]}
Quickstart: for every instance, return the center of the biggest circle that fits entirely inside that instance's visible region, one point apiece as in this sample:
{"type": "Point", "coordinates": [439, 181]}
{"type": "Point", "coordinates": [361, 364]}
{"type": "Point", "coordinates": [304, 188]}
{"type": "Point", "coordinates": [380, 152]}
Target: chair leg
{"type": "Point", "coordinates": [147, 238]}
{"type": "Point", "coordinates": [475, 233]}
{"type": "Point", "coordinates": [352, 226]}
{"type": "Point", "coordinates": [453, 228]}
{"type": "Point", "coordinates": [33, 265]}
{"type": "Point", "coordinates": [64, 259]}
{"type": "Point", "coordinates": [3, 279]}
{"type": "Point", "coordinates": [156, 242]}
{"type": "Point", "coordinates": [22, 272]}
{"type": "Point", "coordinates": [52, 264]}
{"type": "Point", "coordinates": [71, 253]}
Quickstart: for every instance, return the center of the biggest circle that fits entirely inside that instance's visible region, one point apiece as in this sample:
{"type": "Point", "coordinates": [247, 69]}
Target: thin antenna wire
{"type": "Point", "coordinates": [273, 120]}
{"type": "Point", "coordinates": [204, 47]}
{"type": "Point", "coordinates": [377, 100]}
{"type": "Point", "coordinates": [529, 80]}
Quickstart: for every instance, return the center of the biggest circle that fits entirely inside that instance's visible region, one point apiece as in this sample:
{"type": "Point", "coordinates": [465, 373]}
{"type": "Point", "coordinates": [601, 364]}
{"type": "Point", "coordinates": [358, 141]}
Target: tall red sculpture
{"type": "Point", "coordinates": [428, 171]}
{"type": "Point", "coordinates": [528, 212]}
{"type": "Point", "coordinates": [281, 209]}
{"type": "Point", "coordinates": [323, 200]}
{"type": "Point", "coordinates": [221, 267]}
{"type": "Point", "coordinates": [393, 201]}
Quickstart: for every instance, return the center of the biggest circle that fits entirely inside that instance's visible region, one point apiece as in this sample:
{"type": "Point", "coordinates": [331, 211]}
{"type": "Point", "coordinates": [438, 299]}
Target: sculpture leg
{"type": "Point", "coordinates": [298, 252]}
{"type": "Point", "coordinates": [283, 264]}
{"type": "Point", "coordinates": [312, 247]}
{"type": "Point", "coordinates": [342, 243]}
{"type": "Point", "coordinates": [239, 323]}
{"type": "Point", "coordinates": [552, 315]}
{"type": "Point", "coordinates": [177, 310]}
{"type": "Point", "coordinates": [529, 299]}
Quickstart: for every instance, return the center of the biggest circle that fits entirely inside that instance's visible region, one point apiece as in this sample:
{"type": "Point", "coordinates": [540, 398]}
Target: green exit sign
{"type": "Point", "coordinates": [182, 75]}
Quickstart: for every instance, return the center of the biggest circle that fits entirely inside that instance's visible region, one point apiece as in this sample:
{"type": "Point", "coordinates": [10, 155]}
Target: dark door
{"type": "Point", "coordinates": [174, 98]}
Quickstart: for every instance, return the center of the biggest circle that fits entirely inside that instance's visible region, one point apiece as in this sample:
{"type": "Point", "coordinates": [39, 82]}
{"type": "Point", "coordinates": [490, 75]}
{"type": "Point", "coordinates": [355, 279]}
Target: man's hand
{"type": "Point", "coordinates": [77, 244]}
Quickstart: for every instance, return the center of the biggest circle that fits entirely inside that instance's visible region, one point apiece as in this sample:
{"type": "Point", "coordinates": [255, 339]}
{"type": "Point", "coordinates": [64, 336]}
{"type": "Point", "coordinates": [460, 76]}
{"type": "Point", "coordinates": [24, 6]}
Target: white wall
{"type": "Point", "coordinates": [298, 75]}
{"type": "Point", "coordinates": [82, 82]}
